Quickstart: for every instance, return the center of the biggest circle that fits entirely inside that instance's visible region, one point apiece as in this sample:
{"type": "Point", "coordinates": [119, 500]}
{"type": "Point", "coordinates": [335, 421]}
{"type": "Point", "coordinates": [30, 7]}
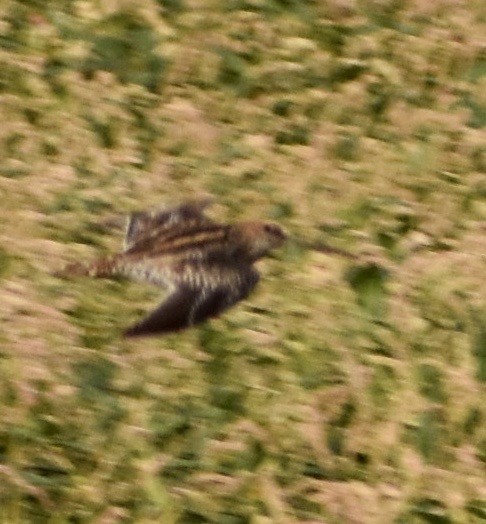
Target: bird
{"type": "Point", "coordinates": [205, 266]}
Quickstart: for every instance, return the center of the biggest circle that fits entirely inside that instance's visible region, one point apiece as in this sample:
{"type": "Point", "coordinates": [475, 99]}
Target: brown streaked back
{"type": "Point", "coordinates": [144, 224]}
{"type": "Point", "coordinates": [187, 236]}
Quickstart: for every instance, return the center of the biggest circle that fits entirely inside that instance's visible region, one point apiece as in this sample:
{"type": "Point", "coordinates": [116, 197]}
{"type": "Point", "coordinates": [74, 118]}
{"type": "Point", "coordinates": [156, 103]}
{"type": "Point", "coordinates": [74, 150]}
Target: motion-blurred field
{"type": "Point", "coordinates": [341, 391]}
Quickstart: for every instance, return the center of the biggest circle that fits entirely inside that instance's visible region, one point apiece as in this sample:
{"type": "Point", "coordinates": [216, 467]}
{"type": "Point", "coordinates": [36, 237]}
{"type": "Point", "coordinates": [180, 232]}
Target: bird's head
{"type": "Point", "coordinates": [258, 238]}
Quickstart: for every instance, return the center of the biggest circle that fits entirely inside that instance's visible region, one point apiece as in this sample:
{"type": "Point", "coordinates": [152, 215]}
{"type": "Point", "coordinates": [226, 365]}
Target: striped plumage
{"type": "Point", "coordinates": [205, 267]}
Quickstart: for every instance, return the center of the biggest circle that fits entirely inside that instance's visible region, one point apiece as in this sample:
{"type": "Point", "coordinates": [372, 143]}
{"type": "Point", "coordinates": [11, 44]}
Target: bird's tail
{"type": "Point", "coordinates": [101, 268]}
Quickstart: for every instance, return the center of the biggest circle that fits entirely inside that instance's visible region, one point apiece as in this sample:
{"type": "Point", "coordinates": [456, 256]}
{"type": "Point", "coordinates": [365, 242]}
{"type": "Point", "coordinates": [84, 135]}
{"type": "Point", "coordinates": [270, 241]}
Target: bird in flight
{"type": "Point", "coordinates": [205, 267]}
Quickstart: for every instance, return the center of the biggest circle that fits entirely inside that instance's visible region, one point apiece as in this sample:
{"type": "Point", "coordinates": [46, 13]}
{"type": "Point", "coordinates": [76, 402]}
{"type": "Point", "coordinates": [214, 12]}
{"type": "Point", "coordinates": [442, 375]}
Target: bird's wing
{"type": "Point", "coordinates": [196, 298]}
{"type": "Point", "coordinates": [143, 224]}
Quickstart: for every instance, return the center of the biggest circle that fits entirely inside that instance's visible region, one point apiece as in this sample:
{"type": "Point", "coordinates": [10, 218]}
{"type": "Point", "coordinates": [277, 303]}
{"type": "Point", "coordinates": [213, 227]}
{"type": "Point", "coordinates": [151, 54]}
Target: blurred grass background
{"type": "Point", "coordinates": [341, 391]}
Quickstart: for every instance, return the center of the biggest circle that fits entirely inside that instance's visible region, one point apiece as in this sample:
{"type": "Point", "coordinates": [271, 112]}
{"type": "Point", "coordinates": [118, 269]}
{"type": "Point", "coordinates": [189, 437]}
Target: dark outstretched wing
{"type": "Point", "coordinates": [190, 304]}
{"type": "Point", "coordinates": [143, 224]}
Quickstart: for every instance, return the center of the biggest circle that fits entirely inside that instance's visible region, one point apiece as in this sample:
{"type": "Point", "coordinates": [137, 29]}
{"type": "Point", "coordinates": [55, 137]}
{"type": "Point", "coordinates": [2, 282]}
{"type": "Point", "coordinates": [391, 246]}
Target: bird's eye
{"type": "Point", "coordinates": [272, 229]}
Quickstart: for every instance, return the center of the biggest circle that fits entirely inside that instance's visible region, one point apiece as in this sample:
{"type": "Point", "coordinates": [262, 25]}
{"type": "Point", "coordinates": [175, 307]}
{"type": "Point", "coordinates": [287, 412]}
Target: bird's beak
{"type": "Point", "coordinates": [321, 247]}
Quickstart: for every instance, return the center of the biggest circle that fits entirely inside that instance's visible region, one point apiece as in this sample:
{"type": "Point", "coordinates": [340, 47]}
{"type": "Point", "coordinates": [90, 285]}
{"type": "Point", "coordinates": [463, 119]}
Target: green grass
{"type": "Point", "coordinates": [341, 391]}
